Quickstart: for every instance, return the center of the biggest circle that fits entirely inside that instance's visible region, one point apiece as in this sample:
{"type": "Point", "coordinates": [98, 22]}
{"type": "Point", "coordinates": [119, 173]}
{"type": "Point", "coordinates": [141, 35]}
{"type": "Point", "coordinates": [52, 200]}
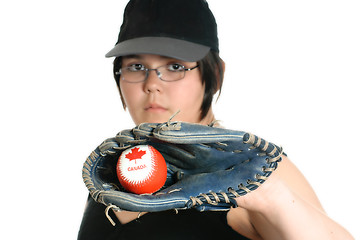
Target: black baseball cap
{"type": "Point", "coordinates": [181, 29]}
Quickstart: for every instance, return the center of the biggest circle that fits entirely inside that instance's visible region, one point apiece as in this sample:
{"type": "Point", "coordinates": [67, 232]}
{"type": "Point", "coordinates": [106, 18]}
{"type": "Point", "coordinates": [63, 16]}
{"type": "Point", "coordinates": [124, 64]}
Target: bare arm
{"type": "Point", "coordinates": [284, 207]}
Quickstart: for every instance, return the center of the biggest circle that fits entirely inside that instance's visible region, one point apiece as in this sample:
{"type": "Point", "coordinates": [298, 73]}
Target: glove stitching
{"type": "Point", "coordinates": [195, 201]}
{"type": "Point", "coordinates": [115, 208]}
{"type": "Point", "coordinates": [226, 198]}
{"type": "Point", "coordinates": [242, 187]}
{"type": "Point", "coordinates": [87, 172]}
{"type": "Point", "coordinates": [171, 127]}
{"type": "Point", "coordinates": [208, 199]}
{"type": "Point", "coordinates": [236, 194]}
{"type": "Point", "coordinates": [217, 199]}
{"type": "Point", "coordinates": [260, 177]}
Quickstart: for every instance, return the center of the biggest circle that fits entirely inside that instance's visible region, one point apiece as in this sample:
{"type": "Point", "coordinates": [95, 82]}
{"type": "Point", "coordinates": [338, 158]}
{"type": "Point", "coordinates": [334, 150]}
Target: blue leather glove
{"type": "Point", "coordinates": [207, 167]}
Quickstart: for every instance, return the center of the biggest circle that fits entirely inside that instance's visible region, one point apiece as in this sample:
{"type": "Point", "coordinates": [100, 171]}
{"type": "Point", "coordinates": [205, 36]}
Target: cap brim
{"type": "Point", "coordinates": [164, 46]}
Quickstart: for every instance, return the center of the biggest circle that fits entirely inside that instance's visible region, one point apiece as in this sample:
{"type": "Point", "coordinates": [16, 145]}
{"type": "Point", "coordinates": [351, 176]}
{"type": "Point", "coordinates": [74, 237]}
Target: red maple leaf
{"type": "Point", "coordinates": [135, 154]}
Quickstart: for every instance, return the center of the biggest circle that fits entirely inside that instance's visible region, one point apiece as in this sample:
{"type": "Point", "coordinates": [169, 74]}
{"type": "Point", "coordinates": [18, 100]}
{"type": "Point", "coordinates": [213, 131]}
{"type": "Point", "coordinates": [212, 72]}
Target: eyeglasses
{"type": "Point", "coordinates": [139, 73]}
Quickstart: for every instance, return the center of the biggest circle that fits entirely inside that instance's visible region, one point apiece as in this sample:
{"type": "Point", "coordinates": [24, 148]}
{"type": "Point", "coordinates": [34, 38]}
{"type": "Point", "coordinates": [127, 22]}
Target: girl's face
{"type": "Point", "coordinates": [155, 101]}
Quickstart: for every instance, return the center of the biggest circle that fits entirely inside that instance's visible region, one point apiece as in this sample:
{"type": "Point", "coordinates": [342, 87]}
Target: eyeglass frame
{"type": "Point", "coordinates": [157, 73]}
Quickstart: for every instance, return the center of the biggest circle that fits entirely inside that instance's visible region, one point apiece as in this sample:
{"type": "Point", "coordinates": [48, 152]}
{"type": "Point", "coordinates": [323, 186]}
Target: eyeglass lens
{"type": "Point", "coordinates": [165, 73]}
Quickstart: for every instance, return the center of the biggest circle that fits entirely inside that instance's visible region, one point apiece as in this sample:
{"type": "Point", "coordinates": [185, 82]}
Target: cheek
{"type": "Point", "coordinates": [193, 94]}
{"type": "Point", "coordinates": [129, 94]}
{"type": "Point", "coordinates": [134, 101]}
{"type": "Point", "coordinates": [193, 97]}
{"type": "Point", "coordinates": [189, 98]}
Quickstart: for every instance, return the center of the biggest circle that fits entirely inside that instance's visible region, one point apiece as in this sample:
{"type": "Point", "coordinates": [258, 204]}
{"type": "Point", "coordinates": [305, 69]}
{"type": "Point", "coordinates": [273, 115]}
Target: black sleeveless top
{"type": "Point", "coordinates": [186, 224]}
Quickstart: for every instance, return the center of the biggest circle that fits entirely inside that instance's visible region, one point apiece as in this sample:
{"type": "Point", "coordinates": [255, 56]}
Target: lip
{"type": "Point", "coordinates": [155, 108]}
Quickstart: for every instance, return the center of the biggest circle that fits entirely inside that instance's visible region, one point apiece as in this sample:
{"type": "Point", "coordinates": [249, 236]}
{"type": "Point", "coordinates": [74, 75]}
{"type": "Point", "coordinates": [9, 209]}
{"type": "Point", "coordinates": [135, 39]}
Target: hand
{"type": "Point", "coordinates": [271, 193]}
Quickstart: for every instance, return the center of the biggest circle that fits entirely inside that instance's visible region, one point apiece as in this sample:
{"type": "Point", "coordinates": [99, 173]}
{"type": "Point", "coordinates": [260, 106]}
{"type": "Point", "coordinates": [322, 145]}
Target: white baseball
{"type": "Point", "coordinates": [141, 169]}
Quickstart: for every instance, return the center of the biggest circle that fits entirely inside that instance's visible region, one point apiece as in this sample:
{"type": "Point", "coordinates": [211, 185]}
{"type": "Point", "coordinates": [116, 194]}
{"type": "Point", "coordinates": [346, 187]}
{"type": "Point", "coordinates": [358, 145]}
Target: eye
{"type": "Point", "coordinates": [135, 67]}
{"type": "Point", "coordinates": [175, 67]}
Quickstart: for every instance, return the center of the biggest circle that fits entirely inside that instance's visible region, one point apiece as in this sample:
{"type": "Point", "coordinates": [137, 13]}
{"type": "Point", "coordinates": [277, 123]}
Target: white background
{"type": "Point", "coordinates": [292, 77]}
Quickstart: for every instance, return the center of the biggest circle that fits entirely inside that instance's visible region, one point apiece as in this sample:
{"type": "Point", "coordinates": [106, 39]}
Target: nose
{"type": "Point", "coordinates": [153, 82]}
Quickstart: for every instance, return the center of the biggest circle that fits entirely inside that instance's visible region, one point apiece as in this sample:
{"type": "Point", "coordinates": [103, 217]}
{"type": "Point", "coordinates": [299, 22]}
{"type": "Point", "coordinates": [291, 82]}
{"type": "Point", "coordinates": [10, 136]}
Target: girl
{"type": "Point", "coordinates": [167, 59]}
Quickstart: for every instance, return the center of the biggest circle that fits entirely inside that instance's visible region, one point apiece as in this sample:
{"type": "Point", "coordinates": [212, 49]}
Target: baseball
{"type": "Point", "coordinates": [141, 169]}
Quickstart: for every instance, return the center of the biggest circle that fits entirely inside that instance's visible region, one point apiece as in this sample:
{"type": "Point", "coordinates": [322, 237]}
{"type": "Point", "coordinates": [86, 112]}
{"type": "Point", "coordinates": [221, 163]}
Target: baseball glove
{"type": "Point", "coordinates": [207, 167]}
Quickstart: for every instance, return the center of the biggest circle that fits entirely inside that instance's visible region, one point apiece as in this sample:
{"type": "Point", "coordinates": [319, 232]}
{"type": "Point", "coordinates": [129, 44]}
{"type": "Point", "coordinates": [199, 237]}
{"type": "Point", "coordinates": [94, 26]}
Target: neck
{"type": "Point", "coordinates": [209, 118]}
